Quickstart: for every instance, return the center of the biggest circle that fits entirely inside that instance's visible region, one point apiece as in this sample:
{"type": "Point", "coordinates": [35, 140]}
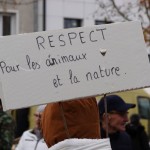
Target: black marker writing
{"type": "Point", "coordinates": [73, 79]}
{"type": "Point", "coordinates": [70, 38]}
{"type": "Point", "coordinates": [101, 73]}
{"type": "Point", "coordinates": [8, 68]}
{"type": "Point", "coordinates": [31, 64]}
{"type": "Point", "coordinates": [56, 82]}
{"type": "Point", "coordinates": [51, 60]}
{"type": "Point", "coordinates": [102, 32]}
{"type": "Point", "coordinates": [40, 40]}
{"type": "Point", "coordinates": [91, 38]}
{"type": "Point", "coordinates": [61, 40]}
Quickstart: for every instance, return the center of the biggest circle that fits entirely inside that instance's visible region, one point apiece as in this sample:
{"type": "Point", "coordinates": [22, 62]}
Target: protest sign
{"type": "Point", "coordinates": [43, 67]}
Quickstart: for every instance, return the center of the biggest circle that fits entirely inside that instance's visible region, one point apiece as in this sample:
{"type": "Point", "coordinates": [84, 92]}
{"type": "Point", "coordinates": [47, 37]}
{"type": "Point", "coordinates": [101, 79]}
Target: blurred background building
{"type": "Point", "coordinates": [24, 16]}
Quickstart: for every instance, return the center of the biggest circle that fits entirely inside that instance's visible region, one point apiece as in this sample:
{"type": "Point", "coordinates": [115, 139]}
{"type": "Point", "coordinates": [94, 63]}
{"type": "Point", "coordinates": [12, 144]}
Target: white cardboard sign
{"type": "Point", "coordinates": [50, 66]}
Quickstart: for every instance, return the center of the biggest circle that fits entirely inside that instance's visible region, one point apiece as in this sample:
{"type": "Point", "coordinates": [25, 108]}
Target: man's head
{"type": "Point", "coordinates": [135, 119]}
{"type": "Point", "coordinates": [38, 114]}
{"type": "Point", "coordinates": [117, 111]}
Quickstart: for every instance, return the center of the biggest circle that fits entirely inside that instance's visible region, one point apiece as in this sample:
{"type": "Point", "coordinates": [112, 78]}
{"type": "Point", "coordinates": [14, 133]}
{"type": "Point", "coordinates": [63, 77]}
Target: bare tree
{"type": "Point", "coordinates": [115, 10]}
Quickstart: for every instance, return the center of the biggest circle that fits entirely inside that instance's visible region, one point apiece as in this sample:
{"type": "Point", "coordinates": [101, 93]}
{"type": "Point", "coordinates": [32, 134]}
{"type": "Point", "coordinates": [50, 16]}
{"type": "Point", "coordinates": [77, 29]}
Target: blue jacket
{"type": "Point", "coordinates": [118, 140]}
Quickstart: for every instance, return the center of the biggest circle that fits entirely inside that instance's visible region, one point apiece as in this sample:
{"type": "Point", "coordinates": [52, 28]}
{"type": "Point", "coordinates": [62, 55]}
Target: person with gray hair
{"type": "Point", "coordinates": [32, 139]}
{"type": "Point", "coordinates": [113, 121]}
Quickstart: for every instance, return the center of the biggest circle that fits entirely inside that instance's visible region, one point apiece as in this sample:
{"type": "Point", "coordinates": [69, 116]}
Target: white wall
{"type": "Point", "coordinates": [57, 10]}
{"type": "Point", "coordinates": [22, 15]}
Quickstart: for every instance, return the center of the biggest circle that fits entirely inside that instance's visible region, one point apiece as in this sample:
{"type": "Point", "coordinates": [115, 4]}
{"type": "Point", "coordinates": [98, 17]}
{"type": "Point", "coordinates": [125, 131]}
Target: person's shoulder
{"type": "Point", "coordinates": [125, 135]}
{"type": "Point", "coordinates": [141, 128]}
{"type": "Point", "coordinates": [28, 131]}
{"type": "Point", "coordinates": [120, 135]}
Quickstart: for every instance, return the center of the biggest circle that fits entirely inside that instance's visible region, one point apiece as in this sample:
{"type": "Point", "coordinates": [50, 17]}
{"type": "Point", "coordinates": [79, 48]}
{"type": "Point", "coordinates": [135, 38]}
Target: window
{"type": "Point", "coordinates": [98, 22]}
{"type": "Point", "coordinates": [144, 107]}
{"type": "Point", "coordinates": [8, 23]}
{"type": "Point", "coordinates": [72, 23]}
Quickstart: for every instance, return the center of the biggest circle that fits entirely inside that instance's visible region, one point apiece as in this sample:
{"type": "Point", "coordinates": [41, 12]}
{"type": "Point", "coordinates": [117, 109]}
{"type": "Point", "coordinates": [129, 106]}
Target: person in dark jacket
{"type": "Point", "coordinates": [137, 132]}
{"type": "Point", "coordinates": [113, 122]}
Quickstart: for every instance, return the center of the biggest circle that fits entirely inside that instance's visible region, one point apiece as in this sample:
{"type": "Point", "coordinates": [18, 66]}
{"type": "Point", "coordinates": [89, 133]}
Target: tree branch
{"type": "Point", "coordinates": [118, 10]}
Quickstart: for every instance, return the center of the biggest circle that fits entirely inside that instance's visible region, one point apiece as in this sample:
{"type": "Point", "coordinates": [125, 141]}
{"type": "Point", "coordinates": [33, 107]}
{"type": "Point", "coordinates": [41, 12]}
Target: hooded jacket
{"type": "Point", "coordinates": [70, 119]}
{"type": "Point", "coordinates": [29, 141]}
{"type": "Point", "coordinates": [82, 144]}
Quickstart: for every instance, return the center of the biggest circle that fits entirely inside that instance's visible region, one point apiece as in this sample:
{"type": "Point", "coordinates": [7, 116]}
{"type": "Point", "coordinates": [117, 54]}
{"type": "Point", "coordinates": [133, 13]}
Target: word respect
{"type": "Point", "coordinates": [69, 38]}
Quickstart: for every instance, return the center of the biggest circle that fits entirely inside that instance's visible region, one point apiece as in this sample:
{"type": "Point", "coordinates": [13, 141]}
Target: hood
{"type": "Point", "coordinates": [70, 119]}
{"type": "Point", "coordinates": [83, 144]}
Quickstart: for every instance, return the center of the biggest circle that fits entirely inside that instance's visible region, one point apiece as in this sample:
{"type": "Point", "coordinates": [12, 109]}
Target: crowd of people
{"type": "Point", "coordinates": [81, 124]}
